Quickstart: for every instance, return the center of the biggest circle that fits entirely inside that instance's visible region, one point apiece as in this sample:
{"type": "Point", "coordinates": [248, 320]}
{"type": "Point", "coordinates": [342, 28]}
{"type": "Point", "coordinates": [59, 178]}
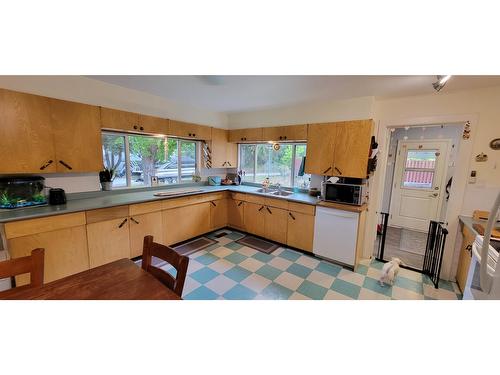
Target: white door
{"type": "Point", "coordinates": [419, 178]}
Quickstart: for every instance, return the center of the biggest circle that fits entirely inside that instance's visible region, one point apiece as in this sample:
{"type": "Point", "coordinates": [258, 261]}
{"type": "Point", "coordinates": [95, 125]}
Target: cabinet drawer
{"type": "Point", "coordinates": [279, 203]}
{"type": "Point", "coordinates": [255, 199]}
{"type": "Point", "coordinates": [144, 208]}
{"type": "Point", "coordinates": [44, 224]}
{"type": "Point", "coordinates": [104, 214]}
{"type": "Point", "coordinates": [238, 196]}
{"type": "Point", "coordinates": [302, 208]}
{"type": "Point", "coordinates": [189, 200]}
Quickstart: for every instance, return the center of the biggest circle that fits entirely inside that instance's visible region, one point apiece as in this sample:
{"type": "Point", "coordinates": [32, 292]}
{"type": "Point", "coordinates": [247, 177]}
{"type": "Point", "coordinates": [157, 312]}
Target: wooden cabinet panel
{"type": "Point", "coordinates": [77, 136]}
{"type": "Point", "coordinates": [320, 148]}
{"type": "Point", "coordinates": [255, 218]}
{"type": "Point", "coordinates": [278, 203]}
{"type": "Point", "coordinates": [44, 224]}
{"type": "Point", "coordinates": [218, 213]}
{"type": "Point", "coordinates": [144, 208]}
{"type": "Point", "coordinates": [26, 140]}
{"type": "Point", "coordinates": [235, 213]}
{"type": "Point", "coordinates": [300, 231]}
{"type": "Point", "coordinates": [464, 258]}
{"type": "Point", "coordinates": [222, 150]}
{"type": "Point", "coordinates": [110, 213]}
{"type": "Point", "coordinates": [285, 133]}
{"type": "Point", "coordinates": [232, 155]}
{"type": "Point", "coordinates": [121, 120]}
{"type": "Point", "coordinates": [276, 224]}
{"type": "Point", "coordinates": [65, 252]}
{"type": "Point", "coordinates": [246, 135]}
{"type": "Point", "coordinates": [352, 148]}
{"type": "Point", "coordinates": [183, 223]}
{"type": "Point", "coordinates": [308, 209]}
{"type": "Point", "coordinates": [149, 224]}
{"type": "Point", "coordinates": [153, 125]}
{"type": "Point", "coordinates": [188, 130]}
{"type": "Point", "coordinates": [108, 241]}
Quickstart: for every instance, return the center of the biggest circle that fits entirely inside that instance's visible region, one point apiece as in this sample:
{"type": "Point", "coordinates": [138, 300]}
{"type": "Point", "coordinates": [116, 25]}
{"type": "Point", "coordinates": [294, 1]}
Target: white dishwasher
{"type": "Point", "coordinates": [335, 234]}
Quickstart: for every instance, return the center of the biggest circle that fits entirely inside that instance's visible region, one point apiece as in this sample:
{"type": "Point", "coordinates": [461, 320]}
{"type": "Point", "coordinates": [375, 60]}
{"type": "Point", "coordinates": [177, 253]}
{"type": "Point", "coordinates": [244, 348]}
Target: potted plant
{"type": "Point", "coordinates": [106, 177]}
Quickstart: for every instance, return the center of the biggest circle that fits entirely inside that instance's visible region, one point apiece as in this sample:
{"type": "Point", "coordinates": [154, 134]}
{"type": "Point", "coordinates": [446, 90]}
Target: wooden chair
{"type": "Point", "coordinates": [179, 262]}
{"type": "Point", "coordinates": [32, 264]}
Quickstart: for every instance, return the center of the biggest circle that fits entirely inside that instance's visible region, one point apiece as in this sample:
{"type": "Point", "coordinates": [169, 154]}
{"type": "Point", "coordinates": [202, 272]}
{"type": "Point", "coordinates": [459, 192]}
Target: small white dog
{"type": "Point", "coordinates": [390, 271]}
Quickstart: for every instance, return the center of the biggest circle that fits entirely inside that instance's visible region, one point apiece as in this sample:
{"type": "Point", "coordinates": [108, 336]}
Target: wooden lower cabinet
{"type": "Point", "coordinates": [235, 213]}
{"type": "Point", "coordinates": [65, 252]}
{"type": "Point", "coordinates": [300, 230]}
{"type": "Point", "coordinates": [108, 241]}
{"type": "Point", "coordinates": [144, 225]}
{"type": "Point", "coordinates": [218, 213]}
{"type": "Point", "coordinates": [464, 258]}
{"type": "Point", "coordinates": [255, 218]}
{"type": "Point", "coordinates": [183, 223]}
{"type": "Point", "coordinates": [275, 223]}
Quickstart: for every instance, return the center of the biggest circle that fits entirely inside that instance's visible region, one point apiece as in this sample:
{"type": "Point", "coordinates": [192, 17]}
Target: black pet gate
{"type": "Point", "coordinates": [434, 250]}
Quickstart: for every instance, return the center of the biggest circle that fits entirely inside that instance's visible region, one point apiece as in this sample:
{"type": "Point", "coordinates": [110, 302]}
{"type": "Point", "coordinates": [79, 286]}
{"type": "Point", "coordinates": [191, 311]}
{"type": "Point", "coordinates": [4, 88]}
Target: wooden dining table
{"type": "Point", "coordinates": [119, 280]}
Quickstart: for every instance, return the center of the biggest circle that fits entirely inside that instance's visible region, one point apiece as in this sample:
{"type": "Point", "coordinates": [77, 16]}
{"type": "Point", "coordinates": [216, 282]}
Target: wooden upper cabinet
{"type": "Point", "coordinates": [189, 130]}
{"type": "Point", "coordinates": [77, 136]}
{"type": "Point", "coordinates": [120, 120]}
{"type": "Point", "coordinates": [320, 148]}
{"type": "Point", "coordinates": [26, 140]}
{"type": "Point", "coordinates": [246, 135]}
{"type": "Point", "coordinates": [153, 125]}
{"type": "Point", "coordinates": [224, 154]}
{"type": "Point", "coordinates": [352, 148]}
{"type": "Point", "coordinates": [285, 133]}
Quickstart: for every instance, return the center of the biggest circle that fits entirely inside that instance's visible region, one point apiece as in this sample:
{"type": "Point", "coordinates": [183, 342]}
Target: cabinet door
{"type": "Point", "coordinates": [26, 140]}
{"type": "Point", "coordinates": [218, 213]}
{"type": "Point", "coordinates": [183, 223]}
{"type": "Point", "coordinates": [153, 125]}
{"type": "Point", "coordinates": [65, 252]}
{"type": "Point", "coordinates": [232, 155]}
{"type": "Point", "coordinates": [320, 148]}
{"type": "Point", "coordinates": [276, 220]}
{"type": "Point", "coordinates": [352, 148]}
{"type": "Point", "coordinates": [235, 214]}
{"type": "Point", "coordinates": [189, 130]}
{"type": "Point", "coordinates": [121, 120]}
{"type": "Point", "coordinates": [77, 136]}
{"type": "Point", "coordinates": [219, 144]}
{"type": "Point", "coordinates": [300, 231]}
{"type": "Point", "coordinates": [285, 133]}
{"type": "Point", "coordinates": [142, 226]}
{"type": "Point", "coordinates": [255, 218]}
{"type": "Point", "coordinates": [108, 241]}
{"type": "Point", "coordinates": [246, 135]}
{"type": "Point", "coordinates": [464, 258]}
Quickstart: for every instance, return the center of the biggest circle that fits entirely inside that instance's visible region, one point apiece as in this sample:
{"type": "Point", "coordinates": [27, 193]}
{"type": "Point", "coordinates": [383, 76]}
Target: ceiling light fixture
{"type": "Point", "coordinates": [441, 82]}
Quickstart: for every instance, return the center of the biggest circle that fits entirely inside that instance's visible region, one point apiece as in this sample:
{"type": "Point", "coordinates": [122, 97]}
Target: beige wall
{"type": "Point", "coordinates": [91, 91]}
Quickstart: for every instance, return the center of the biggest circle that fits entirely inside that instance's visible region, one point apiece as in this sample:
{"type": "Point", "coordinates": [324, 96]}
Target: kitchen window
{"type": "Point", "coordinates": [137, 158]}
{"type": "Point", "coordinates": [283, 163]}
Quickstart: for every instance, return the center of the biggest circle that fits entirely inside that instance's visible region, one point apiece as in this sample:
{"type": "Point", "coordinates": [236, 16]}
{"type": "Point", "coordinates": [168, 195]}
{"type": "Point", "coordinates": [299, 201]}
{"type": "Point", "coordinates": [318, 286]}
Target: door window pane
{"type": "Point", "coordinates": [146, 156]}
{"type": "Point", "coordinates": [301, 179]}
{"type": "Point", "coordinates": [422, 159]}
{"type": "Point", "coordinates": [113, 153]}
{"type": "Point", "coordinates": [419, 169]}
{"type": "Point", "coordinates": [247, 162]}
{"type": "Point", "coordinates": [188, 160]}
{"type": "Point", "coordinates": [418, 179]}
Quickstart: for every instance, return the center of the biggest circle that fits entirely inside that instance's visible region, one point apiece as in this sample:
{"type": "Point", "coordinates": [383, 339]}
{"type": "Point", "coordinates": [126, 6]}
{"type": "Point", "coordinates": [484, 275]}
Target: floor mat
{"type": "Point", "coordinates": [193, 246]}
{"type": "Point", "coordinates": [258, 244]}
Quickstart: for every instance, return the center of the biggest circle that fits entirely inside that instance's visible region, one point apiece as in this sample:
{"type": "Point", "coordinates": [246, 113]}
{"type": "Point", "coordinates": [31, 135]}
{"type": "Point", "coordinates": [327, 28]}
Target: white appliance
{"type": "Point", "coordinates": [483, 279]}
{"type": "Point", "coordinates": [335, 234]}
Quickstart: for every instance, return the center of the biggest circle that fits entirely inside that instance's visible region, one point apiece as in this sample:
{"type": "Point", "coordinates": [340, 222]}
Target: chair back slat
{"type": "Point", "coordinates": [179, 262]}
{"type": "Point", "coordinates": [32, 264]}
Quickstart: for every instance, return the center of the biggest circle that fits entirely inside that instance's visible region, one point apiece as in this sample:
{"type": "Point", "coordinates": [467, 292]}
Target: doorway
{"type": "Point", "coordinates": [420, 166]}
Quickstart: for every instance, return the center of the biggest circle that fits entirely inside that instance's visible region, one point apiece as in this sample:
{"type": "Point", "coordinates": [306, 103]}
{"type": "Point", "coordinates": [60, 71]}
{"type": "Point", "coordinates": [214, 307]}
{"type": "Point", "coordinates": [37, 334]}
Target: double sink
{"type": "Point", "coordinates": [276, 192]}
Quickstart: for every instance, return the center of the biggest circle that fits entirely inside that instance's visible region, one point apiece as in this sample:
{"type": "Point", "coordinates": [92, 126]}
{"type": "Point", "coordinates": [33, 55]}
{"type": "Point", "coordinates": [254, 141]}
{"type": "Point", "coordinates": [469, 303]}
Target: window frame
{"type": "Point", "coordinates": [292, 167]}
{"type": "Point", "coordinates": [128, 169]}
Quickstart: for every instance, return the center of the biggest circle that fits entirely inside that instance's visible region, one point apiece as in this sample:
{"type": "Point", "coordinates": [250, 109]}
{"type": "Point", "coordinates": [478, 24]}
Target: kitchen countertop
{"type": "Point", "coordinates": [112, 199]}
{"type": "Point", "coordinates": [469, 221]}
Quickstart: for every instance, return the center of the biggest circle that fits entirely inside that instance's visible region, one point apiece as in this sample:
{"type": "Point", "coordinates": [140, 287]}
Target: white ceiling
{"type": "Point", "coordinates": [247, 93]}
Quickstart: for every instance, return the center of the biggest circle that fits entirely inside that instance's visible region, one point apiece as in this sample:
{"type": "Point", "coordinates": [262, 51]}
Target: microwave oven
{"type": "Point", "coordinates": [355, 194]}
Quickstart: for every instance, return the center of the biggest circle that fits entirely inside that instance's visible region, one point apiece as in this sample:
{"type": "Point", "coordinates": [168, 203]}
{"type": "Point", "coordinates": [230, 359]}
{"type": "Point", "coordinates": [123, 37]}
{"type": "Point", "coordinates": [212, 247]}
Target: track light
{"type": "Point", "coordinates": [441, 82]}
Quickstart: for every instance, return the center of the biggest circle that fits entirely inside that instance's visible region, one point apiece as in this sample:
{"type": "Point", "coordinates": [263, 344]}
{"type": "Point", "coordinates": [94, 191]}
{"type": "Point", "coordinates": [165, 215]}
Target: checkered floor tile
{"type": "Point", "coordinates": [228, 270]}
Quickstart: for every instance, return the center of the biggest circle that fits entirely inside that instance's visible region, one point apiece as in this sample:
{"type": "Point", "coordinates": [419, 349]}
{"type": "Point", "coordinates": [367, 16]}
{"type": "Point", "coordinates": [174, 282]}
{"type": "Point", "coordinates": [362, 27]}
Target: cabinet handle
{"type": "Point", "coordinates": [135, 221]}
{"type": "Point", "coordinates": [293, 217]}
{"type": "Point", "coordinates": [65, 164]}
{"type": "Point", "coordinates": [239, 204]}
{"type": "Point", "coordinates": [213, 203]}
{"type": "Point", "coordinates": [135, 127]}
{"type": "Point", "coordinates": [338, 170]}
{"type": "Point", "coordinates": [284, 137]}
{"type": "Point", "coordinates": [326, 170]}
{"type": "Point", "coordinates": [223, 164]}
{"type": "Point", "coordinates": [229, 164]}
{"type": "Point", "coordinates": [281, 137]}
{"type": "Point", "coordinates": [268, 210]}
{"type": "Point", "coordinates": [122, 223]}
{"type": "Point", "coordinates": [142, 128]}
{"type": "Point", "coordinates": [469, 249]}
{"type": "Point", "coordinates": [46, 165]}
{"type": "Point", "coordinates": [260, 209]}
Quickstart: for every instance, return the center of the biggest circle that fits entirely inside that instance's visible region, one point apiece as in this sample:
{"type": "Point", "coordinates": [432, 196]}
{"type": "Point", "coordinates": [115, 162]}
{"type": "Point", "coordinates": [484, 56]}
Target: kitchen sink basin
{"type": "Point", "coordinates": [282, 193]}
{"type": "Point", "coordinates": [266, 191]}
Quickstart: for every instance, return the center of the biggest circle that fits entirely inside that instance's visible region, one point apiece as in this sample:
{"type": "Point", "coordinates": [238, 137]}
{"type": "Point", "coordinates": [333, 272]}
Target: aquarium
{"type": "Point", "coordinates": [16, 192]}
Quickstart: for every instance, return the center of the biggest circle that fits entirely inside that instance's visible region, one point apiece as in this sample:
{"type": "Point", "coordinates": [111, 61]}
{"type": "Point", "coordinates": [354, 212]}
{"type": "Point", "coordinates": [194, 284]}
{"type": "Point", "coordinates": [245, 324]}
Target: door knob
{"type": "Point", "coordinates": [434, 195]}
